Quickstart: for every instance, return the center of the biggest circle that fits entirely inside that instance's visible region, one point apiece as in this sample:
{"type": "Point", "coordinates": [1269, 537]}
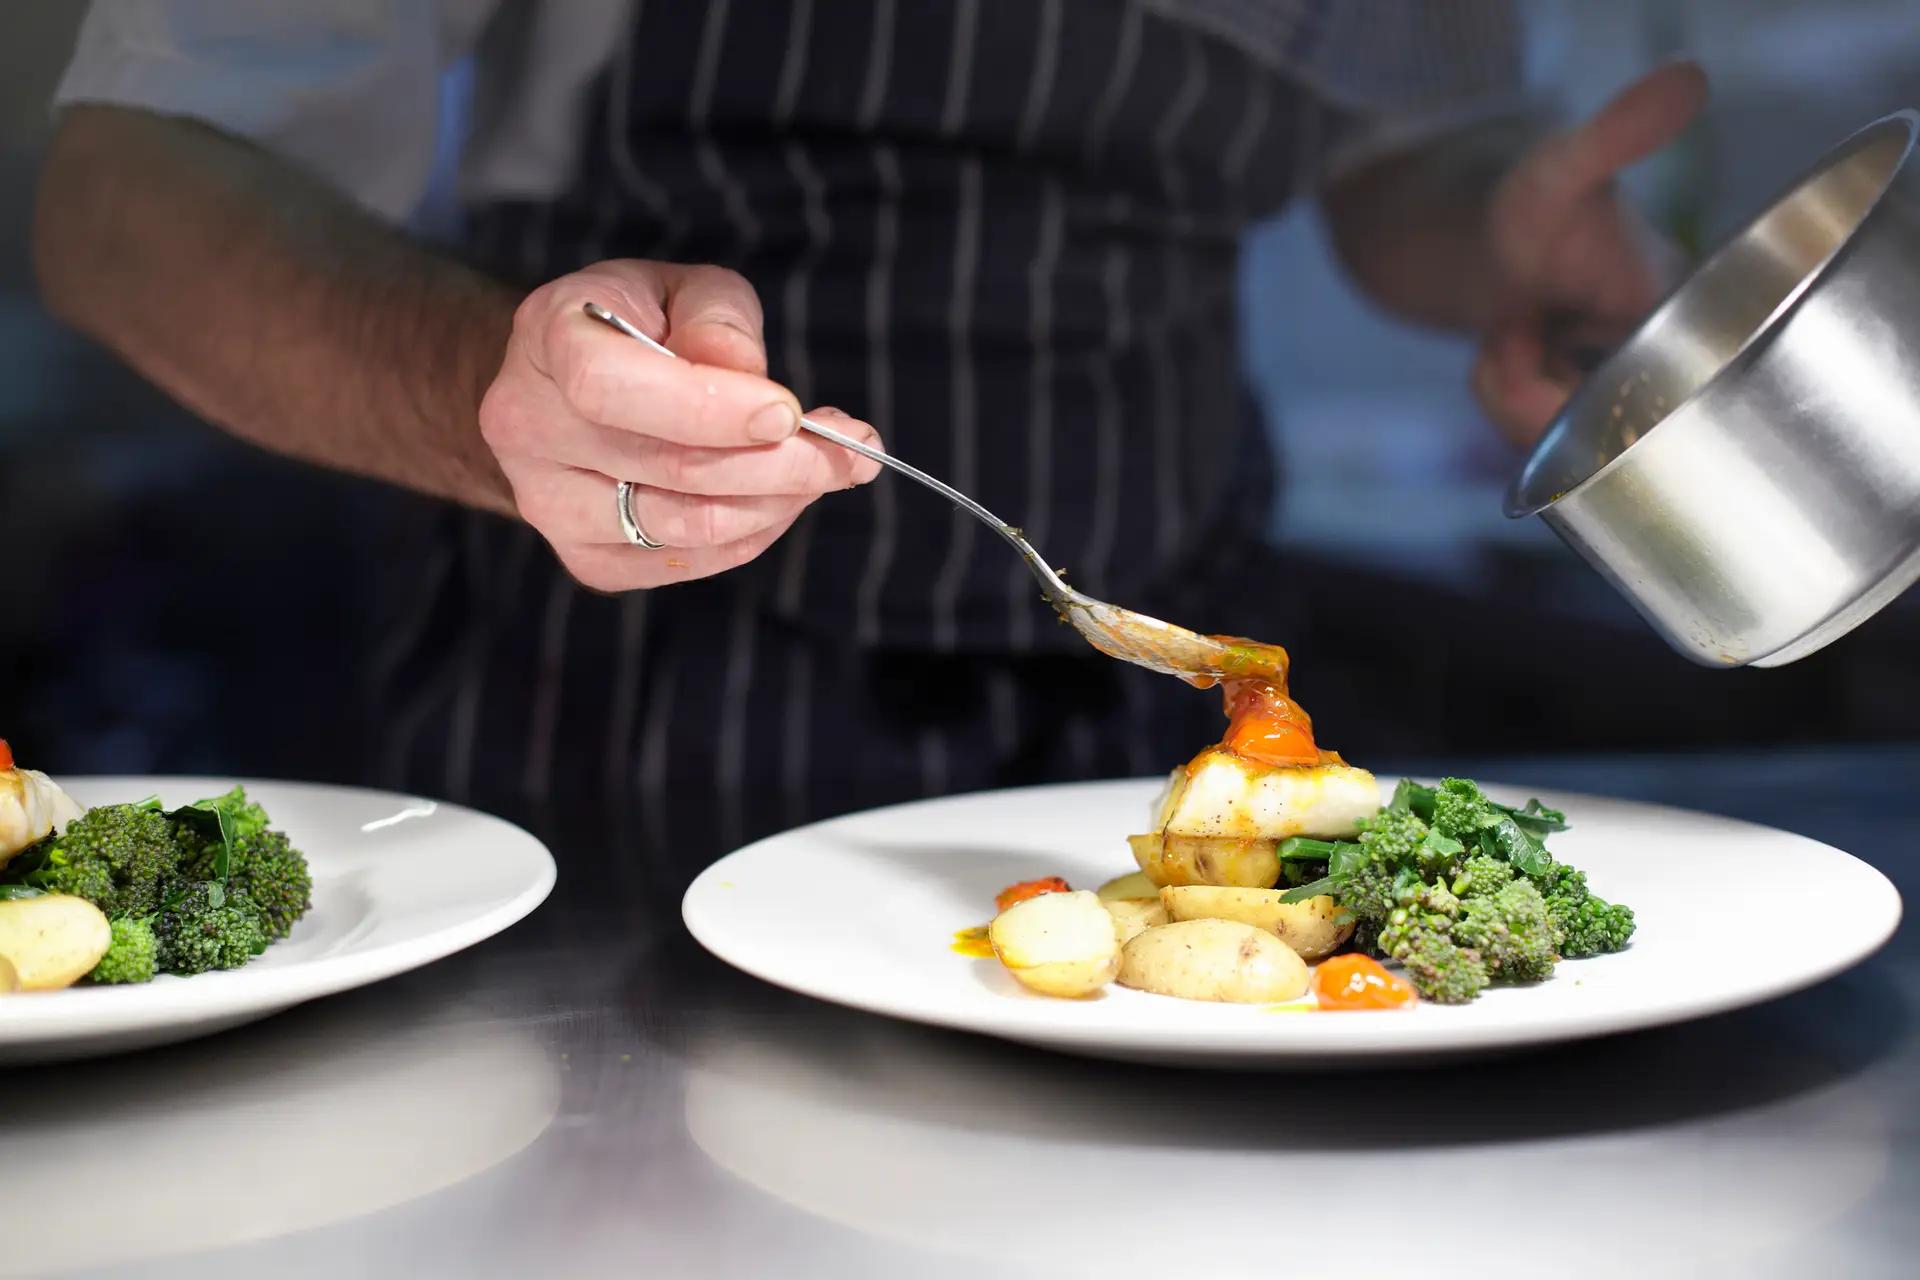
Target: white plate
{"type": "Point", "coordinates": [398, 882]}
{"type": "Point", "coordinates": [862, 910]}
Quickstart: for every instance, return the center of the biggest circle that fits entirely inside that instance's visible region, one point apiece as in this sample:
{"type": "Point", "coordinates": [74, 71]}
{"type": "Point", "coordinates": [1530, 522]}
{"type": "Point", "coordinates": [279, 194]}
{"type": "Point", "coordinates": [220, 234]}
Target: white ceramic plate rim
{"type": "Point", "coordinates": [1224, 1032]}
{"type": "Point", "coordinates": [88, 1012]}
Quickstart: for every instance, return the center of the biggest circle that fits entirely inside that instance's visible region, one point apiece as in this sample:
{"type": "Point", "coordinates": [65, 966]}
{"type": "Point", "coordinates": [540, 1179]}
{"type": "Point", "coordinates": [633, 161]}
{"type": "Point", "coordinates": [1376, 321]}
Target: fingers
{"type": "Point", "coordinates": [1641, 119]}
{"type": "Point", "coordinates": [1511, 381]}
{"type": "Point", "coordinates": [624, 568]}
{"type": "Point", "coordinates": [1545, 192]}
{"type": "Point", "coordinates": [609, 379]}
{"type": "Point", "coordinates": [530, 416]}
{"type": "Point", "coordinates": [581, 508]}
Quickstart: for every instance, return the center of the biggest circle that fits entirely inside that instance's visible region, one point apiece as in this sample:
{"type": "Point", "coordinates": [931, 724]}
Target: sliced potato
{"type": "Point", "coordinates": [1169, 859]}
{"type": "Point", "coordinates": [1059, 944]}
{"type": "Point", "coordinates": [1308, 927]}
{"type": "Point", "coordinates": [52, 942]}
{"type": "Point", "coordinates": [1221, 960]}
{"type": "Point", "coordinates": [1134, 884]}
{"type": "Point", "coordinates": [1133, 916]}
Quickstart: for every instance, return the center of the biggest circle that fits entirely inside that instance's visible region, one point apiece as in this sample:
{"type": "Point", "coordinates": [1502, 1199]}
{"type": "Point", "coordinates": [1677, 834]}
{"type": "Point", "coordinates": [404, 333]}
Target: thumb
{"type": "Point", "coordinates": [714, 317]}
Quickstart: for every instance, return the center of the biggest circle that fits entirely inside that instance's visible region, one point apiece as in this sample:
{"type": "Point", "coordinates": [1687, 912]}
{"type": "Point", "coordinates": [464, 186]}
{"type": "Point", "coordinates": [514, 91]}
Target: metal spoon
{"type": "Point", "coordinates": [1116, 632]}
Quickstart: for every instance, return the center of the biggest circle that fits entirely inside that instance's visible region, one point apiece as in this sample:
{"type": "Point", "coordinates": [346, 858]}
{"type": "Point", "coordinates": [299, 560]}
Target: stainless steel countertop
{"type": "Point", "coordinates": [590, 1095]}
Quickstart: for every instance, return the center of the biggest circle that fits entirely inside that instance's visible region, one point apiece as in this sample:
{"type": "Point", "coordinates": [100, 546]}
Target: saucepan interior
{"type": "Point", "coordinates": [1719, 319]}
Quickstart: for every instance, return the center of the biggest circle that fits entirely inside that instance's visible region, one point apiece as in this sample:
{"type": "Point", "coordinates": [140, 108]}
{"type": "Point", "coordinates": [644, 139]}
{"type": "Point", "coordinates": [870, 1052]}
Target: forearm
{"type": "Point", "coordinates": [267, 303]}
{"type": "Point", "coordinates": [1411, 229]}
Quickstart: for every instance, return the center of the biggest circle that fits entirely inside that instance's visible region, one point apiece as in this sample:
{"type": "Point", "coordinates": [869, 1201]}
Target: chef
{"type": "Point", "coordinates": [1000, 235]}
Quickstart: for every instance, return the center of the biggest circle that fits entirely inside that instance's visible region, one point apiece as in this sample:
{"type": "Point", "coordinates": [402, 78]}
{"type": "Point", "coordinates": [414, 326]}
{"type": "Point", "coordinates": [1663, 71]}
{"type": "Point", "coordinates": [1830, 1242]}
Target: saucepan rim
{"type": "Point", "coordinates": [1521, 502]}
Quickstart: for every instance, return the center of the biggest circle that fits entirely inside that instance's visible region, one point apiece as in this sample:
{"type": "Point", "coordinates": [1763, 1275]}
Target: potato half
{"type": "Point", "coordinates": [1134, 916]}
{"type": "Point", "coordinates": [1059, 944]}
{"type": "Point", "coordinates": [1168, 859]}
{"type": "Point", "coordinates": [1134, 884]}
{"type": "Point", "coordinates": [1308, 927]}
{"type": "Point", "coordinates": [9, 977]}
{"type": "Point", "coordinates": [52, 942]}
{"type": "Point", "coordinates": [1221, 960]}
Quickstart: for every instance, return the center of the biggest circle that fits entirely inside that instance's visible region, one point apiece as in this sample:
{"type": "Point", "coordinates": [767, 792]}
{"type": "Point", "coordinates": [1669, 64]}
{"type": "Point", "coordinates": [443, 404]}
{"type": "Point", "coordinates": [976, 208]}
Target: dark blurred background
{"type": "Point", "coordinates": [172, 601]}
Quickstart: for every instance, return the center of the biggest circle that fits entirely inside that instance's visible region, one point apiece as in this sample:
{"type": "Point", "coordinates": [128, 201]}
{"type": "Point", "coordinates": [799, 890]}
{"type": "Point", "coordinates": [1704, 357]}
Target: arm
{"type": "Point", "coordinates": [269, 304]}
{"type": "Point", "coordinates": [263, 300]}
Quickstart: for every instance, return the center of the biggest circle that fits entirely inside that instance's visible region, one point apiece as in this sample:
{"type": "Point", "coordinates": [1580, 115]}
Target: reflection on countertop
{"type": "Point", "coordinates": [1660, 1161]}
{"type": "Point", "coordinates": [305, 1122]}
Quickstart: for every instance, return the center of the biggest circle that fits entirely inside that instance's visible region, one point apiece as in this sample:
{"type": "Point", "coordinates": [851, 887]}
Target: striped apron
{"type": "Point", "coordinates": [1004, 231]}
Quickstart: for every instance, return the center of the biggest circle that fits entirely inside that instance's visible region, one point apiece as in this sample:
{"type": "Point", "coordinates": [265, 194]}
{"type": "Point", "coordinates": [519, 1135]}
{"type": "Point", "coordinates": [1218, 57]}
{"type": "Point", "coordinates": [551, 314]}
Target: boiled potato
{"type": "Point", "coordinates": [9, 977]}
{"type": "Point", "coordinates": [1308, 927]}
{"type": "Point", "coordinates": [1169, 859]}
{"type": "Point", "coordinates": [52, 942]}
{"type": "Point", "coordinates": [1132, 916]}
{"type": "Point", "coordinates": [1059, 944]}
{"type": "Point", "coordinates": [1134, 884]}
{"type": "Point", "coordinates": [1222, 960]}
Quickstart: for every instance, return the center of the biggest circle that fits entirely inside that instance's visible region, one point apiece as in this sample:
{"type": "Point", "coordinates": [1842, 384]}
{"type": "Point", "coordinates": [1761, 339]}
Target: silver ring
{"type": "Point", "coordinates": [623, 499]}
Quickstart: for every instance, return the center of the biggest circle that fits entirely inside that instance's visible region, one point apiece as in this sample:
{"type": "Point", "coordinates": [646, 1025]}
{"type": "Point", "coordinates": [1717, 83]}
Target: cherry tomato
{"type": "Point", "coordinates": [1267, 726]}
{"type": "Point", "coordinates": [1030, 889]}
{"type": "Point", "coordinates": [6, 755]}
{"type": "Point", "coordinates": [1357, 982]}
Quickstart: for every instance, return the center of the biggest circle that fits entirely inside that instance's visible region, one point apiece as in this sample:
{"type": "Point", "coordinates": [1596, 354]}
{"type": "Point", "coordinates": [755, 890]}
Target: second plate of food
{"type": "Point", "coordinates": [881, 911]}
{"type": "Point", "coordinates": [396, 882]}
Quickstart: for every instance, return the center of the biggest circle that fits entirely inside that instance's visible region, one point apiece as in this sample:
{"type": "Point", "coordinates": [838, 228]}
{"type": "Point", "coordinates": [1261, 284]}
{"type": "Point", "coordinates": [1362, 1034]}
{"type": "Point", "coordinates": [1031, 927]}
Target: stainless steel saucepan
{"type": "Point", "coordinates": [1746, 467]}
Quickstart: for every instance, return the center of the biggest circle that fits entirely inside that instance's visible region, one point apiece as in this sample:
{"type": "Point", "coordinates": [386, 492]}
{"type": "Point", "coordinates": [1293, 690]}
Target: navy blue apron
{"type": "Point", "coordinates": [1007, 233]}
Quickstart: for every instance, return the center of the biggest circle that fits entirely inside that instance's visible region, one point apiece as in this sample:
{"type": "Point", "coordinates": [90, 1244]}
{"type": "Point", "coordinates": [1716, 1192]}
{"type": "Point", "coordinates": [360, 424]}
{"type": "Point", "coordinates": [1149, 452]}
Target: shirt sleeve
{"type": "Point", "coordinates": [1393, 74]}
{"type": "Point", "coordinates": [349, 89]}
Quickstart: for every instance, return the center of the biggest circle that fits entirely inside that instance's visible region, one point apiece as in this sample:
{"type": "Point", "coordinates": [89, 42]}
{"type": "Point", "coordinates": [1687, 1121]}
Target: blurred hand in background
{"type": "Point", "coordinates": [1575, 264]}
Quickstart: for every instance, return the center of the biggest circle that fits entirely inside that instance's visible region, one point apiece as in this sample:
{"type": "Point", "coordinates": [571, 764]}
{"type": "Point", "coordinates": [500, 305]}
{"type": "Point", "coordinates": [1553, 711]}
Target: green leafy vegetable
{"type": "Point", "coordinates": [1462, 891]}
{"type": "Point", "coordinates": [205, 886]}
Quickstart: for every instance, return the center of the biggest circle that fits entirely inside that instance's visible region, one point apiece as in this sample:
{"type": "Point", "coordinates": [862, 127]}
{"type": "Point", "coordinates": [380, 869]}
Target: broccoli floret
{"type": "Point", "coordinates": [273, 875]}
{"type": "Point", "coordinates": [208, 928]}
{"type": "Point", "coordinates": [1482, 875]}
{"type": "Point", "coordinates": [1393, 836]}
{"type": "Point", "coordinates": [50, 867]}
{"type": "Point", "coordinates": [200, 839]}
{"type": "Point", "coordinates": [1424, 908]}
{"type": "Point", "coordinates": [245, 819]}
{"type": "Point", "coordinates": [117, 857]}
{"type": "Point", "coordinates": [1590, 926]}
{"type": "Point", "coordinates": [1461, 811]}
{"type": "Point", "coordinates": [1593, 928]}
{"type": "Point", "coordinates": [1512, 931]}
{"type": "Point", "coordinates": [132, 956]}
{"type": "Point", "coordinates": [1440, 969]}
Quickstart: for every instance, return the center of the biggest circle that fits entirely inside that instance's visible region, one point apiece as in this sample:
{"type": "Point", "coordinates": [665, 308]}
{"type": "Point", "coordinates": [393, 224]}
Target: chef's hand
{"type": "Point", "coordinates": [713, 448]}
{"type": "Point", "coordinates": [1575, 263]}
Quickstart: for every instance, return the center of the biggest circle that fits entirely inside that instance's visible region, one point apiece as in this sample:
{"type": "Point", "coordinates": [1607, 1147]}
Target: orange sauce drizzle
{"type": "Point", "coordinates": [1264, 724]}
{"type": "Point", "coordinates": [973, 942]}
